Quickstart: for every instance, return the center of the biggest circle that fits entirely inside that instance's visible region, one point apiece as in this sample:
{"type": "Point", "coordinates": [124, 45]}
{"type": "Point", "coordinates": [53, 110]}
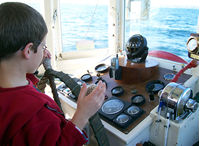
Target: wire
{"type": "Point", "coordinates": [92, 17]}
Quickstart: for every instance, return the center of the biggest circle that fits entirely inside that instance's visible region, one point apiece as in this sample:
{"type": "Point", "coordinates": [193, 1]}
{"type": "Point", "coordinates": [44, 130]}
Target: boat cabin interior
{"type": "Point", "coordinates": [147, 53]}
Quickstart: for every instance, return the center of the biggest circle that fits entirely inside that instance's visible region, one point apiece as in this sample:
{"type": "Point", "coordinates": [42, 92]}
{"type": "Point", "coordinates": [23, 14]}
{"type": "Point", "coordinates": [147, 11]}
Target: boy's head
{"type": "Point", "coordinates": [20, 25]}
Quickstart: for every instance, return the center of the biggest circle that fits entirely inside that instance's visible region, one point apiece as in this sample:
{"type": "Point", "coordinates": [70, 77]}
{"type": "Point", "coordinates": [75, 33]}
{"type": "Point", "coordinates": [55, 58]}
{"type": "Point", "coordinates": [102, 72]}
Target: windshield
{"type": "Point", "coordinates": [166, 25]}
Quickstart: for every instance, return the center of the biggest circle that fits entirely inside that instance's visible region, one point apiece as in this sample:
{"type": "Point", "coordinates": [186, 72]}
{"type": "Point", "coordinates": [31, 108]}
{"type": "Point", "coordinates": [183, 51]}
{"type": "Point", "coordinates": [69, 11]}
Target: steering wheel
{"type": "Point", "coordinates": [95, 122]}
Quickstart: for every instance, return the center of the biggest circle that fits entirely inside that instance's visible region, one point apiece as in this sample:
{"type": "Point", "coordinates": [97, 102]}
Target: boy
{"type": "Point", "coordinates": [28, 117]}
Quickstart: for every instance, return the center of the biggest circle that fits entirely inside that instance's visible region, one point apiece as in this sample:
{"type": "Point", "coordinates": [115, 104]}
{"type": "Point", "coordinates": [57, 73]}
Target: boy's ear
{"type": "Point", "coordinates": [27, 50]}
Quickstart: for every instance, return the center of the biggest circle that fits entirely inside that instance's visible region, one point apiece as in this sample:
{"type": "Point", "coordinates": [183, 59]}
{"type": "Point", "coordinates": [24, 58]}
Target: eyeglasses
{"type": "Point", "coordinates": [44, 46]}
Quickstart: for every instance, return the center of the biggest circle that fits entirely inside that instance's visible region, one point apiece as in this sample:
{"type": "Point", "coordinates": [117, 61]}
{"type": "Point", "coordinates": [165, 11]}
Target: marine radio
{"type": "Point", "coordinates": [115, 69]}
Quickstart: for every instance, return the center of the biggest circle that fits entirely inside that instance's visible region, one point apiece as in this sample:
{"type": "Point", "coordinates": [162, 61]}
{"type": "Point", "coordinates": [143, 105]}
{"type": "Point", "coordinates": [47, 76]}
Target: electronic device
{"type": "Point", "coordinates": [115, 69]}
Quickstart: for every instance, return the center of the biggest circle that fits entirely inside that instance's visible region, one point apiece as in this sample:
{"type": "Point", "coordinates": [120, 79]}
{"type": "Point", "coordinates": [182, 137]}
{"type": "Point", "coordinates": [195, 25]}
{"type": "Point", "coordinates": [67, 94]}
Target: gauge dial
{"type": "Point", "coordinates": [138, 99]}
{"type": "Point", "coordinates": [112, 106]}
{"type": "Point", "coordinates": [133, 110]}
{"type": "Point", "coordinates": [192, 44]}
{"type": "Point", "coordinates": [123, 118]}
{"type": "Point", "coordinates": [117, 91]}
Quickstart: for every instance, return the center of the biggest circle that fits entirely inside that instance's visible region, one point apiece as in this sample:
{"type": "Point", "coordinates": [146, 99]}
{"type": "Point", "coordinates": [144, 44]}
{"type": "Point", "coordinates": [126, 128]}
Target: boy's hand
{"type": "Point", "coordinates": [47, 54]}
{"type": "Point", "coordinates": [88, 105]}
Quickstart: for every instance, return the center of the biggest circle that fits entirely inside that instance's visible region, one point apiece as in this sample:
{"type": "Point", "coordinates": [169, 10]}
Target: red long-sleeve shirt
{"type": "Point", "coordinates": [28, 117]}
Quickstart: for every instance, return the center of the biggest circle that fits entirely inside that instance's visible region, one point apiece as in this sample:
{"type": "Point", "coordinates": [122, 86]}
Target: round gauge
{"type": "Point", "coordinates": [123, 118]}
{"type": "Point", "coordinates": [138, 99]}
{"type": "Point", "coordinates": [154, 86]}
{"type": "Point", "coordinates": [157, 87]}
{"type": "Point", "coordinates": [169, 76]}
{"type": "Point", "coordinates": [133, 110]}
{"type": "Point", "coordinates": [192, 44]}
{"type": "Point", "coordinates": [86, 77]}
{"type": "Point", "coordinates": [117, 91]}
{"type": "Point", "coordinates": [112, 106]}
{"type": "Point", "coordinates": [101, 79]}
{"type": "Point", "coordinates": [101, 68]}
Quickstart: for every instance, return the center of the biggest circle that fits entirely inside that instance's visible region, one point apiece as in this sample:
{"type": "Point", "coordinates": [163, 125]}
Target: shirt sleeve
{"type": "Point", "coordinates": [49, 128]}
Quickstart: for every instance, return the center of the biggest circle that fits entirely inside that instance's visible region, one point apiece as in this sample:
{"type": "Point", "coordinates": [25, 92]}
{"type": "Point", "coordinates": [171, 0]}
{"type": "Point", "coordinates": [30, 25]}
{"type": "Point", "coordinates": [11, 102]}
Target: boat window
{"type": "Point", "coordinates": [166, 25]}
{"type": "Point", "coordinates": [36, 4]}
{"type": "Point", "coordinates": [84, 26]}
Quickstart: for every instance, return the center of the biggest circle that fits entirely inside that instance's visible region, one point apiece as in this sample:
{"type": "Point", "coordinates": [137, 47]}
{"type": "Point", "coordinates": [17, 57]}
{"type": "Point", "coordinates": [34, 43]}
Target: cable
{"type": "Point", "coordinates": [91, 18]}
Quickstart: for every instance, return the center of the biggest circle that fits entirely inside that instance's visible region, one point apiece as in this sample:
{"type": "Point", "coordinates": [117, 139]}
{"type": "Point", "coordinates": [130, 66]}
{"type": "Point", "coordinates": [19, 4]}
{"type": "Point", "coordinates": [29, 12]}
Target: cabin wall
{"type": "Point", "coordinates": [116, 25]}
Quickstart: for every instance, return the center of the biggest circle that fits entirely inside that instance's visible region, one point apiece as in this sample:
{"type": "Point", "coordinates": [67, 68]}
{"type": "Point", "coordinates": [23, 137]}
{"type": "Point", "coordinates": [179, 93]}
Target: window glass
{"type": "Point", "coordinates": [85, 23]}
{"type": "Point", "coordinates": [166, 25]}
{"type": "Point", "coordinates": [36, 4]}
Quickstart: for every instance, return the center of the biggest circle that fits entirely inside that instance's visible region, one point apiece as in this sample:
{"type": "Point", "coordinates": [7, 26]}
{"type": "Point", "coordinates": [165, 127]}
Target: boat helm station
{"type": "Point", "coordinates": [144, 102]}
{"type": "Point", "coordinates": [151, 97]}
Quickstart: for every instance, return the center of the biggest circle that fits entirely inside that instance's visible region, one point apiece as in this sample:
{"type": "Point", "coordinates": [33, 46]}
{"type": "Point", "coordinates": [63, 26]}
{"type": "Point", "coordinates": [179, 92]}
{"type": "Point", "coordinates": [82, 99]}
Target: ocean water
{"type": "Point", "coordinates": [166, 29]}
{"type": "Point", "coordinates": [84, 22]}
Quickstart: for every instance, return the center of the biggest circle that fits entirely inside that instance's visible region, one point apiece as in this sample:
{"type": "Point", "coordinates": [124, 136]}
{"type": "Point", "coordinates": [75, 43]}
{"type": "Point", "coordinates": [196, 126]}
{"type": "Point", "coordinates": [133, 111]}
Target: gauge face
{"type": "Point", "coordinates": [138, 99]}
{"type": "Point", "coordinates": [133, 110]}
{"type": "Point", "coordinates": [192, 45]}
{"type": "Point", "coordinates": [101, 68]}
{"type": "Point", "coordinates": [158, 87]}
{"type": "Point", "coordinates": [117, 91]}
{"type": "Point", "coordinates": [86, 77]}
{"type": "Point", "coordinates": [123, 118]}
{"type": "Point", "coordinates": [169, 76]}
{"type": "Point", "coordinates": [154, 86]}
{"type": "Point", "coordinates": [112, 106]}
